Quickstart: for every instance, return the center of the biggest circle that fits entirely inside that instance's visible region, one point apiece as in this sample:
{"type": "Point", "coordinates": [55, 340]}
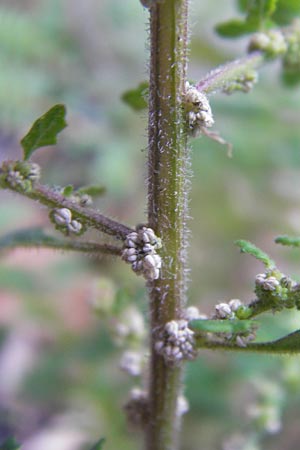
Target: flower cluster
{"type": "Point", "coordinates": [278, 290]}
{"type": "Point", "coordinates": [137, 407]}
{"type": "Point", "coordinates": [176, 342]}
{"type": "Point", "coordinates": [131, 363]}
{"type": "Point", "coordinates": [234, 309]}
{"type": "Point", "coordinates": [199, 114]}
{"type": "Point", "coordinates": [63, 221]}
{"type": "Point", "coordinates": [272, 43]}
{"type": "Point", "coordinates": [231, 310]}
{"type": "Point", "coordinates": [19, 175]}
{"type": "Point", "coordinates": [140, 251]}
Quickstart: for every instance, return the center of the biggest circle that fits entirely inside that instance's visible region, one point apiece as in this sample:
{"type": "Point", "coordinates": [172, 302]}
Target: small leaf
{"type": "Point", "coordinates": [68, 190]}
{"type": "Point", "coordinates": [235, 28]}
{"type": "Point", "coordinates": [10, 444]}
{"type": "Point", "coordinates": [93, 190]}
{"type": "Point", "coordinates": [135, 98]}
{"type": "Point", "coordinates": [44, 130]}
{"type": "Point", "coordinates": [287, 240]}
{"type": "Point", "coordinates": [286, 11]}
{"type": "Point", "coordinates": [251, 249]}
{"type": "Point", "coordinates": [98, 445]}
{"type": "Point", "coordinates": [222, 326]}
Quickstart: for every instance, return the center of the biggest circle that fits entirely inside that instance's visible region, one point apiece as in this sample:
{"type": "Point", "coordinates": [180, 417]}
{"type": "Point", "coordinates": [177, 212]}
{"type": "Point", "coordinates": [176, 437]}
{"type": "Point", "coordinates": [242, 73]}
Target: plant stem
{"type": "Point", "coordinates": [92, 218]}
{"type": "Point", "coordinates": [167, 206]}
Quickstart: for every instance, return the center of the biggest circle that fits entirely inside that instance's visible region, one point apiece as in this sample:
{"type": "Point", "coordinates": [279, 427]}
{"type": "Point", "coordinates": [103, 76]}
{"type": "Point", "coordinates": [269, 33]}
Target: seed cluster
{"type": "Point", "coordinates": [199, 114]}
{"type": "Point", "coordinates": [176, 342]}
{"type": "Point", "coordinates": [140, 251]}
{"type": "Point", "coordinates": [62, 218]}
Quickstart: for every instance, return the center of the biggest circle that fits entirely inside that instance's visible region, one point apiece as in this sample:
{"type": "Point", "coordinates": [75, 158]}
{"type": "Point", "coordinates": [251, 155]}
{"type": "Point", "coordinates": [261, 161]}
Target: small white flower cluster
{"type": "Point", "coordinates": [193, 313]}
{"type": "Point", "coordinates": [199, 114]}
{"type": "Point", "coordinates": [266, 411]}
{"type": "Point", "coordinates": [19, 174]}
{"type": "Point", "coordinates": [267, 282]}
{"type": "Point", "coordinates": [62, 217]}
{"type": "Point", "coordinates": [130, 326]}
{"type": "Point", "coordinates": [140, 251]}
{"type": "Point", "coordinates": [137, 407]}
{"type": "Point", "coordinates": [176, 342]}
{"type": "Point", "coordinates": [273, 43]}
{"type": "Point", "coordinates": [131, 363]}
{"type": "Point", "coordinates": [228, 311]}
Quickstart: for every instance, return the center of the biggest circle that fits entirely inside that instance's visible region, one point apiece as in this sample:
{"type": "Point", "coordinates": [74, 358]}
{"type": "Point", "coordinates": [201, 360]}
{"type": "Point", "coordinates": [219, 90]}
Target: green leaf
{"type": "Point", "coordinates": [98, 445]}
{"type": "Point", "coordinates": [10, 444]}
{"type": "Point", "coordinates": [135, 98]}
{"type": "Point", "coordinates": [68, 190]}
{"type": "Point", "coordinates": [93, 190]}
{"type": "Point", "coordinates": [222, 326]}
{"type": "Point", "coordinates": [235, 28]}
{"type": "Point", "coordinates": [44, 130]}
{"type": "Point", "coordinates": [251, 249]}
{"type": "Point", "coordinates": [286, 11]}
{"type": "Point", "coordinates": [288, 240]}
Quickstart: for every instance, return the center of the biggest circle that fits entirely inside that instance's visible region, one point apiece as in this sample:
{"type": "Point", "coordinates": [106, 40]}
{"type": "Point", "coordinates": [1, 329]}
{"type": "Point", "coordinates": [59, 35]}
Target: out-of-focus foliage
{"type": "Point", "coordinates": [58, 362]}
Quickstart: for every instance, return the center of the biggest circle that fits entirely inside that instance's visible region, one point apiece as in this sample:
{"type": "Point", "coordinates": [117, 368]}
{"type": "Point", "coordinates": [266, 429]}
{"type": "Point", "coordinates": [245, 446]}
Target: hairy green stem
{"type": "Point", "coordinates": [167, 206]}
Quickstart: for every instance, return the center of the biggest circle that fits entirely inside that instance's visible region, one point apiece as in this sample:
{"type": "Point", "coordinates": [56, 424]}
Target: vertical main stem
{"type": "Point", "coordinates": [167, 206]}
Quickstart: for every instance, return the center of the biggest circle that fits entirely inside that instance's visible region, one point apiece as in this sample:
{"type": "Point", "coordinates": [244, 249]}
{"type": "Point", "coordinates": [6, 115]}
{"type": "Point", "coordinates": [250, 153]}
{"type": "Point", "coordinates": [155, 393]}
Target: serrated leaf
{"type": "Point", "coordinates": [222, 326]}
{"type": "Point", "coordinates": [92, 190]}
{"type": "Point", "coordinates": [98, 445]}
{"type": "Point", "coordinates": [235, 28]}
{"type": "Point", "coordinates": [288, 240]}
{"type": "Point", "coordinates": [135, 98]}
{"type": "Point", "coordinates": [251, 249]}
{"type": "Point", "coordinates": [10, 444]}
{"type": "Point", "coordinates": [44, 131]}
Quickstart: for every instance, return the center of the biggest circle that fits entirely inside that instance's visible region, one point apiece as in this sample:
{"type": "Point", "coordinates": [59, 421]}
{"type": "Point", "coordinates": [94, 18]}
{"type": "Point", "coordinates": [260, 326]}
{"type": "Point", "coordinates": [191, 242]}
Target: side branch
{"type": "Point", "coordinates": [90, 217]}
{"type": "Point", "coordinates": [221, 78]}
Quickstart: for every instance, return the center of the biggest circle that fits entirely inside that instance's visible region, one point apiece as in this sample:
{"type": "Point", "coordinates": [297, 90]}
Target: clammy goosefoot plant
{"type": "Point", "coordinates": [157, 249]}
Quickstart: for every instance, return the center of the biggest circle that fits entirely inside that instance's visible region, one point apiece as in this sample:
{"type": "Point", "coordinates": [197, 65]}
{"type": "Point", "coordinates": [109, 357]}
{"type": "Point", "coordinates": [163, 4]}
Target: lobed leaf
{"type": "Point", "coordinates": [135, 98]}
{"type": "Point", "coordinates": [44, 131]}
{"type": "Point", "coordinates": [251, 249]}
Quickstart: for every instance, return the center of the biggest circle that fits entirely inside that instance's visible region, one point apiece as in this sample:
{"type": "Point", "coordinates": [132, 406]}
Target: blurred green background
{"type": "Point", "coordinates": [60, 385]}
